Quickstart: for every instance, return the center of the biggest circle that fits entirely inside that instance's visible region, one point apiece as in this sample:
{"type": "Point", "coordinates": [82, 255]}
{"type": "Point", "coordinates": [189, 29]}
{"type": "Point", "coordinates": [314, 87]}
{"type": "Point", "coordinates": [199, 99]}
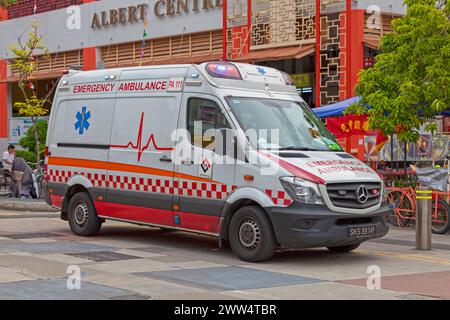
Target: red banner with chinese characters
{"type": "Point", "coordinates": [350, 125]}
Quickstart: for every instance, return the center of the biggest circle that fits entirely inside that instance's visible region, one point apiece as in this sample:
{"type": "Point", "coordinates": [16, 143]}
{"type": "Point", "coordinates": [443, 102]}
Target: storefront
{"type": "Point", "coordinates": [322, 46]}
{"type": "Point", "coordinates": [330, 40]}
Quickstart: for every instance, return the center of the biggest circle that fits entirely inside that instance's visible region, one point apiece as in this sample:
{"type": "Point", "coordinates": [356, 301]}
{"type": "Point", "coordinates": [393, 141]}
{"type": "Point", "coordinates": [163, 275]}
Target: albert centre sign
{"type": "Point", "coordinates": [161, 8]}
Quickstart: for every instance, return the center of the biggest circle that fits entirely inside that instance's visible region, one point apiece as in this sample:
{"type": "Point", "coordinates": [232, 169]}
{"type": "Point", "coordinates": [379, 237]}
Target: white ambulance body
{"type": "Point", "coordinates": [111, 155]}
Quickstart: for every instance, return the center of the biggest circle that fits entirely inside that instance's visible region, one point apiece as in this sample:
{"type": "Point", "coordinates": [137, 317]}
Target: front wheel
{"type": "Point", "coordinates": [82, 216]}
{"type": "Point", "coordinates": [344, 249]}
{"type": "Point", "coordinates": [251, 235]}
{"type": "Point", "coordinates": [440, 224]}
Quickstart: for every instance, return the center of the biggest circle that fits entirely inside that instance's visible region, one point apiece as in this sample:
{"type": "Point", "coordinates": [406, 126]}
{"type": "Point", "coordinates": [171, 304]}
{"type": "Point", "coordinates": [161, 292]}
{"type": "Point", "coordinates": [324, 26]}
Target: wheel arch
{"type": "Point", "coordinates": [241, 198]}
{"type": "Point", "coordinates": [75, 185]}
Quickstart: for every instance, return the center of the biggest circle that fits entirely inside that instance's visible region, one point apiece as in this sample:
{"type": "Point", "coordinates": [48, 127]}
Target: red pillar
{"type": "Point", "coordinates": [89, 58]}
{"type": "Point", "coordinates": [318, 104]}
{"type": "Point", "coordinates": [224, 30]}
{"type": "Point", "coordinates": [89, 54]}
{"type": "Point", "coordinates": [357, 48]}
{"type": "Point", "coordinates": [349, 53]}
{"type": "Point", "coordinates": [3, 88]}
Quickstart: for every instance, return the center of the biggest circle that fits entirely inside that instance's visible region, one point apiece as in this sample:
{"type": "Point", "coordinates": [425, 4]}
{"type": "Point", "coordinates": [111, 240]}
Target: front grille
{"type": "Point", "coordinates": [344, 195]}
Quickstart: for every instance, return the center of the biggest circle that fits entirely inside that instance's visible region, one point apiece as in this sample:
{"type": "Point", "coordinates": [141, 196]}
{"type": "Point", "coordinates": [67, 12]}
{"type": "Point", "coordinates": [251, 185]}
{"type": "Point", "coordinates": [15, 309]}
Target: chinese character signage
{"type": "Point", "coordinates": [349, 125]}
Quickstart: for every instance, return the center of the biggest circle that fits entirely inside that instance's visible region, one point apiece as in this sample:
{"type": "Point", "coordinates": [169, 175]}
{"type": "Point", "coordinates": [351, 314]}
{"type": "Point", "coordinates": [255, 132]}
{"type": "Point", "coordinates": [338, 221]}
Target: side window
{"type": "Point", "coordinates": [208, 114]}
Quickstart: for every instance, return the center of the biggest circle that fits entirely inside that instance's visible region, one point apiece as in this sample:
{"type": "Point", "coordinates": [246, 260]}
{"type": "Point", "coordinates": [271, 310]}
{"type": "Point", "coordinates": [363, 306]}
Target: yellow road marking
{"type": "Point", "coordinates": [414, 257]}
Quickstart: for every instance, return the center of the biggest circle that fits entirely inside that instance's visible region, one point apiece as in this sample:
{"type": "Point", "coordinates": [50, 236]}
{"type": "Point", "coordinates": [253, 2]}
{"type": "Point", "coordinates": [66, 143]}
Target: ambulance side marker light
{"type": "Point", "coordinates": [249, 178]}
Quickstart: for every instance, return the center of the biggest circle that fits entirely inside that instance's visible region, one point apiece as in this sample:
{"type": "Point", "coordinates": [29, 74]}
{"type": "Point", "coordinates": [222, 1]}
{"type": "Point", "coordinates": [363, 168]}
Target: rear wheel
{"type": "Point", "coordinates": [251, 236]}
{"type": "Point", "coordinates": [440, 224]}
{"type": "Point", "coordinates": [344, 249]}
{"type": "Point", "coordinates": [82, 216]}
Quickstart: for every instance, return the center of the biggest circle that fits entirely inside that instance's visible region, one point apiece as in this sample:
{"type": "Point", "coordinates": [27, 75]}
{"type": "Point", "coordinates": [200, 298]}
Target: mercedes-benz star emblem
{"type": "Point", "coordinates": [362, 194]}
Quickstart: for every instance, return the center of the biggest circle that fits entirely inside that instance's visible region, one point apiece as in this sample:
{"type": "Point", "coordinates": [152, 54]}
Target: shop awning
{"type": "Point", "coordinates": [373, 43]}
{"type": "Point", "coordinates": [292, 52]}
{"type": "Point", "coordinates": [335, 110]}
{"type": "Point", "coordinates": [37, 76]}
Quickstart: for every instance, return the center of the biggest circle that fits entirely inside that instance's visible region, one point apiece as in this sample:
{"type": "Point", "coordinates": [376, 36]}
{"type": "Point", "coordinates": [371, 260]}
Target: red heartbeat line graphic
{"type": "Point", "coordinates": [138, 146]}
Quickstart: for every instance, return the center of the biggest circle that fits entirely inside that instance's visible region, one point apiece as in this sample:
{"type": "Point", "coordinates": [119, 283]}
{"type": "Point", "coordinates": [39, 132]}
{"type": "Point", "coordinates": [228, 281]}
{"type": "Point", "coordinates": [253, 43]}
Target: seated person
{"type": "Point", "coordinates": [27, 190]}
{"type": "Point", "coordinates": [8, 157]}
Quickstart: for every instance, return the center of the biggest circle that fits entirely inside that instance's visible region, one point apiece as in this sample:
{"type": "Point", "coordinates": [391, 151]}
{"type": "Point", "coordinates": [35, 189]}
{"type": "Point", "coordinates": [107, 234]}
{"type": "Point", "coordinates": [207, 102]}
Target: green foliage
{"type": "Point", "coordinates": [24, 62]}
{"type": "Point", "coordinates": [32, 107]}
{"type": "Point", "coordinates": [410, 80]}
{"type": "Point", "coordinates": [29, 143]}
{"type": "Point", "coordinates": [28, 156]}
{"type": "Point", "coordinates": [6, 3]}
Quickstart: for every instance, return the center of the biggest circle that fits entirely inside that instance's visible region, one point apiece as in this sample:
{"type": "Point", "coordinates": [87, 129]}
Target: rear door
{"type": "Point", "coordinates": [78, 144]}
{"type": "Point", "coordinates": [203, 185]}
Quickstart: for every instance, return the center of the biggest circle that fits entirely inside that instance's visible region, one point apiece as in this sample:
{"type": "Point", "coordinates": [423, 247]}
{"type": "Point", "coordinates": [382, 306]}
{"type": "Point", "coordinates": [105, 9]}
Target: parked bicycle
{"type": "Point", "coordinates": [402, 201]}
{"type": "Point", "coordinates": [5, 182]}
{"type": "Point", "coordinates": [38, 177]}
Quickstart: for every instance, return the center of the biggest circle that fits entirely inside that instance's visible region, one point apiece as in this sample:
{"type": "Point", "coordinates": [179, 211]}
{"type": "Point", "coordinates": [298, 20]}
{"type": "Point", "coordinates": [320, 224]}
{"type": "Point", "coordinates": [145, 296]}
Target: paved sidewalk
{"type": "Point", "coordinates": [132, 262]}
{"type": "Point", "coordinates": [25, 205]}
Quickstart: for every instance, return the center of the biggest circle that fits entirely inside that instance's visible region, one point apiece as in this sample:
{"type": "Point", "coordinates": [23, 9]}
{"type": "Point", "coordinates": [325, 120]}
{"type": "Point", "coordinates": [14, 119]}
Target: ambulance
{"type": "Point", "coordinates": [135, 145]}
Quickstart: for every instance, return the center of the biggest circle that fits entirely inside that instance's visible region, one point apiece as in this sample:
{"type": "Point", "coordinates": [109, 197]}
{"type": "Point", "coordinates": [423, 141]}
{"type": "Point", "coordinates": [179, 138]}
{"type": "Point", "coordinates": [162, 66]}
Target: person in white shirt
{"type": "Point", "coordinates": [8, 157]}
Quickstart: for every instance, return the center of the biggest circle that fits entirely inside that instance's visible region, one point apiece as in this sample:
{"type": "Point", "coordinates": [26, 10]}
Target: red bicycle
{"type": "Point", "coordinates": [402, 202]}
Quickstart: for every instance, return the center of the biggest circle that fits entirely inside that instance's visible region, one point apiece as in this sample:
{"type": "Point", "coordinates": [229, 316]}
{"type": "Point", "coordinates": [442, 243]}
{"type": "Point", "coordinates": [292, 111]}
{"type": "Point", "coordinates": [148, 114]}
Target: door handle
{"type": "Point", "coordinates": [187, 163]}
{"type": "Point", "coordinates": [165, 159]}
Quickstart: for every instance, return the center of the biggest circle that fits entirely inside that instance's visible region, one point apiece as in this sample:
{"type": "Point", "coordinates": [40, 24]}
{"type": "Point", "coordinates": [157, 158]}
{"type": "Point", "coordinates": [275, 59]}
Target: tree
{"type": "Point", "coordinates": [24, 63]}
{"type": "Point", "coordinates": [410, 80]}
{"type": "Point", "coordinates": [29, 144]}
{"type": "Point", "coordinates": [6, 3]}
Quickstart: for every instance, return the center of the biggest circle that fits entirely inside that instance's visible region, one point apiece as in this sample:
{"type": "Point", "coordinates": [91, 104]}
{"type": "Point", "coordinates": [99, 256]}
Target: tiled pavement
{"type": "Point", "coordinates": [132, 262]}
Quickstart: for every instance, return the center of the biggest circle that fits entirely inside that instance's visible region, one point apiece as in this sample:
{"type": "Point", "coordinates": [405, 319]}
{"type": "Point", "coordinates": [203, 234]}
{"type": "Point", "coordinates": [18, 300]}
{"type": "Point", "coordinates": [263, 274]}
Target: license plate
{"type": "Point", "coordinates": [358, 232]}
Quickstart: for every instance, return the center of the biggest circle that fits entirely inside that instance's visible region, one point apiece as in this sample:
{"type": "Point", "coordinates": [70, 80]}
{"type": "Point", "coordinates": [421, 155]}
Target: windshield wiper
{"type": "Point", "coordinates": [293, 148]}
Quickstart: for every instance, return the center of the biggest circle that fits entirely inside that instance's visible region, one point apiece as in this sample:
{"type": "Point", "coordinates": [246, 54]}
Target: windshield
{"type": "Point", "coordinates": [297, 126]}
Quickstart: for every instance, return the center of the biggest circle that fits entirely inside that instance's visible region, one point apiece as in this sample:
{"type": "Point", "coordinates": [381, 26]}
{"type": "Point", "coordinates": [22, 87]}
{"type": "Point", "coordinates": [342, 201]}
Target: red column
{"type": "Point", "coordinates": [357, 48]}
{"type": "Point", "coordinates": [89, 58]}
{"type": "Point", "coordinates": [89, 54]}
{"type": "Point", "coordinates": [318, 104]}
{"type": "Point", "coordinates": [3, 88]}
{"type": "Point", "coordinates": [349, 53]}
{"type": "Point", "coordinates": [224, 30]}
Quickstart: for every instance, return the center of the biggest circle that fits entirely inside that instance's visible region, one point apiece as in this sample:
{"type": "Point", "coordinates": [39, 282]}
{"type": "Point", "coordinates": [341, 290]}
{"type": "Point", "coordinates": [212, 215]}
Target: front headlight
{"type": "Point", "coordinates": [303, 191]}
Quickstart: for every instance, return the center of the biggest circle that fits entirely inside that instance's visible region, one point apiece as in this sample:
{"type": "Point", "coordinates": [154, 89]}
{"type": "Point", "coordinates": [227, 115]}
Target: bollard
{"type": "Point", "coordinates": [423, 218]}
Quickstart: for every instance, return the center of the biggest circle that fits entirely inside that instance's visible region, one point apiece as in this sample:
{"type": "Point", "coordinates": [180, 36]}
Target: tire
{"type": "Point", "coordinates": [443, 212]}
{"type": "Point", "coordinates": [251, 235]}
{"type": "Point", "coordinates": [344, 249]}
{"type": "Point", "coordinates": [82, 216]}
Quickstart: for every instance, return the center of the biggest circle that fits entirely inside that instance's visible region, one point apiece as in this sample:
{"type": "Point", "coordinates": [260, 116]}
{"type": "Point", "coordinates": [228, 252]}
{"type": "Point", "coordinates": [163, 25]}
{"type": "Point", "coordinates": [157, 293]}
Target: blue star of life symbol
{"type": "Point", "coordinates": [261, 71]}
{"type": "Point", "coordinates": [82, 123]}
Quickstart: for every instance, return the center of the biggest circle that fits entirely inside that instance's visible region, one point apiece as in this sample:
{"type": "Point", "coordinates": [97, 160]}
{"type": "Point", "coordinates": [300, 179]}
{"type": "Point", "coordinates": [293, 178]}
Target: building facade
{"type": "Point", "coordinates": [323, 44]}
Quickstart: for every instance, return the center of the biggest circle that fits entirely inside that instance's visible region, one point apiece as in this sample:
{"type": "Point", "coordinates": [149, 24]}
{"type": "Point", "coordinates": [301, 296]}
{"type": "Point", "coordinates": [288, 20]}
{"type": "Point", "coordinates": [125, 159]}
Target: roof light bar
{"type": "Point", "coordinates": [223, 70]}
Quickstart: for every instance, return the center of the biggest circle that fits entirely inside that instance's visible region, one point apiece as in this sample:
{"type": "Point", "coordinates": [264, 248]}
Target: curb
{"type": "Point", "coordinates": [37, 206]}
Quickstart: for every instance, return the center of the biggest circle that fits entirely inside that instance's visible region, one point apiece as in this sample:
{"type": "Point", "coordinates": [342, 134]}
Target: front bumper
{"type": "Point", "coordinates": [309, 226]}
